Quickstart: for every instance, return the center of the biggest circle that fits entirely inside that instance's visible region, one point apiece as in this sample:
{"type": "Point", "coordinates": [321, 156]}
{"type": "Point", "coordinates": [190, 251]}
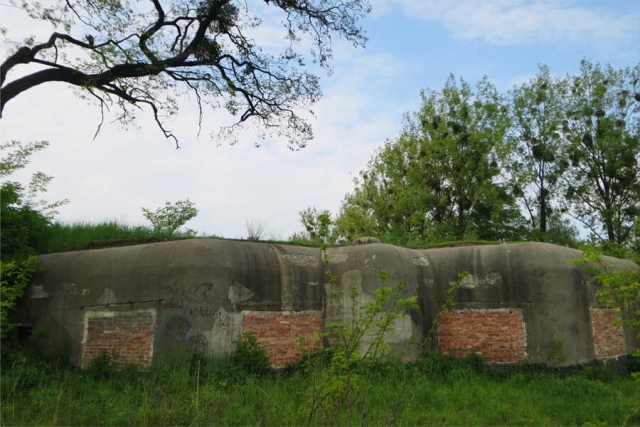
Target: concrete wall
{"type": "Point", "coordinates": [520, 302]}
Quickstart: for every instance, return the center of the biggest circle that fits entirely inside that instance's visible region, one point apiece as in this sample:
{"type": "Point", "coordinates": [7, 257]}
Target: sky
{"type": "Point", "coordinates": [412, 45]}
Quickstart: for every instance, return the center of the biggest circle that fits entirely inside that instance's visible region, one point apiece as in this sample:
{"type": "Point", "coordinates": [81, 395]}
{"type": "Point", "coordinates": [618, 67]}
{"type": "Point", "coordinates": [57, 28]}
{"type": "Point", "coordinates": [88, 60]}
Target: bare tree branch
{"type": "Point", "coordinates": [139, 52]}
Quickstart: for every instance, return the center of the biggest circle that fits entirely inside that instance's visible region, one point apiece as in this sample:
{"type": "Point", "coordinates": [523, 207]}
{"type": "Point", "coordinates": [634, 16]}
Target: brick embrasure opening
{"type": "Point", "coordinates": [608, 338]}
{"type": "Point", "coordinates": [499, 335]}
{"type": "Point", "coordinates": [279, 332]}
{"type": "Point", "coordinates": [126, 336]}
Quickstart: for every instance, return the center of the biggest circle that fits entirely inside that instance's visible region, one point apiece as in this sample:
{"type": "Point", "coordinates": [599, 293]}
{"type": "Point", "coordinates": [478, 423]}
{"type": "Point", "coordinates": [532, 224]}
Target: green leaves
{"type": "Point", "coordinates": [343, 380]}
{"type": "Point", "coordinates": [169, 218]}
{"type": "Point", "coordinates": [602, 137]}
{"type": "Point", "coordinates": [619, 289]}
{"type": "Point", "coordinates": [16, 276]}
{"type": "Point", "coordinates": [439, 180]}
{"type": "Point", "coordinates": [537, 110]}
{"type": "Point", "coordinates": [24, 223]}
{"type": "Point", "coordinates": [318, 226]}
{"type": "Point", "coordinates": [250, 355]}
{"type": "Point", "coordinates": [16, 157]}
{"type": "Point", "coordinates": [473, 164]}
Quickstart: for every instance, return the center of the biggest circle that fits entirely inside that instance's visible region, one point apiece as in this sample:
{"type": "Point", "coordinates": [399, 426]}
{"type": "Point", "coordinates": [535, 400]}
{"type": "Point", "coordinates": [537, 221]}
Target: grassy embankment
{"type": "Point", "coordinates": [81, 235]}
{"type": "Point", "coordinates": [85, 235]}
{"type": "Point", "coordinates": [199, 391]}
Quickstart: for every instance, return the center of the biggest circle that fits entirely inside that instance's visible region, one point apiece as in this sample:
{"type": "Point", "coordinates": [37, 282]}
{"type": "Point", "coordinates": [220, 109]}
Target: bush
{"type": "Point", "coordinates": [251, 356]}
{"type": "Point", "coordinates": [103, 367]}
{"type": "Point", "coordinates": [23, 228]}
{"type": "Point", "coordinates": [24, 224]}
{"type": "Point", "coordinates": [172, 216]}
{"type": "Point", "coordinates": [16, 275]}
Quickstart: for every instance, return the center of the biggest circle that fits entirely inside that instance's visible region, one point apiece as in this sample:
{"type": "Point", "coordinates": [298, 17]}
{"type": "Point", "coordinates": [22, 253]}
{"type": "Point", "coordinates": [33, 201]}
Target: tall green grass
{"type": "Point", "coordinates": [194, 390]}
{"type": "Point", "coordinates": [86, 235]}
{"type": "Point", "coordinates": [81, 235]}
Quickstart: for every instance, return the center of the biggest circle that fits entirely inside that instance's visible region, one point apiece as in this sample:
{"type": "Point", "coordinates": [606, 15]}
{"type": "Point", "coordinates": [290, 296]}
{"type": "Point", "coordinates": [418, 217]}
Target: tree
{"type": "Point", "coordinates": [539, 161]}
{"type": "Point", "coordinates": [143, 54]}
{"type": "Point", "coordinates": [439, 180]}
{"type": "Point", "coordinates": [170, 217]}
{"type": "Point", "coordinates": [25, 219]}
{"type": "Point", "coordinates": [602, 129]}
{"type": "Point", "coordinates": [17, 157]}
{"type": "Point", "coordinates": [318, 226]}
{"type": "Point", "coordinates": [24, 224]}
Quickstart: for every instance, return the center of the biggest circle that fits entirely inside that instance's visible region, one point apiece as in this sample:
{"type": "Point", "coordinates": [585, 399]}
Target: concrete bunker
{"type": "Point", "coordinates": [520, 302]}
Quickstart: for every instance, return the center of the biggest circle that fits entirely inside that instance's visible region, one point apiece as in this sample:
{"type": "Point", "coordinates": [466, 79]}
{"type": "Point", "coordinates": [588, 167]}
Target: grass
{"type": "Point", "coordinates": [192, 390]}
{"type": "Point", "coordinates": [84, 235]}
{"type": "Point", "coordinates": [81, 235]}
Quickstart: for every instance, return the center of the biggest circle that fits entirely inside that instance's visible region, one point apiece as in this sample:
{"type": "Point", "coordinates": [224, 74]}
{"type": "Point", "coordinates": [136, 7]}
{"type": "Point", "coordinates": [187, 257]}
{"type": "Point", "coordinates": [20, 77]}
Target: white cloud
{"type": "Point", "coordinates": [523, 21]}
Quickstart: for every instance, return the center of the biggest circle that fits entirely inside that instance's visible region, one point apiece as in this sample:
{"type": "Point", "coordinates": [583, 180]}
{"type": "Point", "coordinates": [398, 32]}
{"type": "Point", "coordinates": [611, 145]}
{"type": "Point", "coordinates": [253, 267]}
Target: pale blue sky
{"type": "Point", "coordinates": [413, 45]}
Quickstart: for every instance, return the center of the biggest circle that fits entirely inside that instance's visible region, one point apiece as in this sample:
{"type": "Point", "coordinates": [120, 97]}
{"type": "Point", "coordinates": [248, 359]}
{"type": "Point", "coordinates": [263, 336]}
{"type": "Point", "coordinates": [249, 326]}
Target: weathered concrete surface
{"type": "Point", "coordinates": [200, 290]}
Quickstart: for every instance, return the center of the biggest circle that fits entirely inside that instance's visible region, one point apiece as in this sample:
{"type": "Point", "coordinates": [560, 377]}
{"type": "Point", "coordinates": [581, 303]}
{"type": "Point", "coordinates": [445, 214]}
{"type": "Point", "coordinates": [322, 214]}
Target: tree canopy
{"type": "Point", "coordinates": [602, 131]}
{"type": "Point", "coordinates": [475, 164]}
{"type": "Point", "coordinates": [142, 54]}
{"type": "Point", "coordinates": [538, 164]}
{"type": "Point", "coordinates": [439, 180]}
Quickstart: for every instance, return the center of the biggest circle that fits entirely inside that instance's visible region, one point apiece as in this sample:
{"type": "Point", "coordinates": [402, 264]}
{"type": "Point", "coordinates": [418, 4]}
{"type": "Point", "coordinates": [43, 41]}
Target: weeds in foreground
{"type": "Point", "coordinates": [341, 377]}
{"type": "Point", "coordinates": [196, 390]}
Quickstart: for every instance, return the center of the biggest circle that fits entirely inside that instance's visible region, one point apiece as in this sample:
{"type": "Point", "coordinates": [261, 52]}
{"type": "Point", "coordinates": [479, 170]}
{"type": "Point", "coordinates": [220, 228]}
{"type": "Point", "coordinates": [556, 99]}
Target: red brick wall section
{"type": "Point", "coordinates": [278, 332]}
{"type": "Point", "coordinates": [127, 336]}
{"type": "Point", "coordinates": [499, 335]}
{"type": "Point", "coordinates": [608, 338]}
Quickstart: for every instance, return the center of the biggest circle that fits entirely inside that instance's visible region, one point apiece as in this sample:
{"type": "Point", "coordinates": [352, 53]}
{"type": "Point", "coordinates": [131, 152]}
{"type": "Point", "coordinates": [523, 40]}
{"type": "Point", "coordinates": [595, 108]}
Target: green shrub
{"type": "Point", "coordinates": [104, 366]}
{"type": "Point", "coordinates": [169, 218]}
{"type": "Point", "coordinates": [15, 277]}
{"type": "Point", "coordinates": [251, 356]}
{"type": "Point", "coordinates": [23, 228]}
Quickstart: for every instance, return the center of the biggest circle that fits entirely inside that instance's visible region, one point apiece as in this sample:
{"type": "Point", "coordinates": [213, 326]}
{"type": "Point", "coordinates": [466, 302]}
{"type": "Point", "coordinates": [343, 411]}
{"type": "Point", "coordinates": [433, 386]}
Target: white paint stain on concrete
{"type": "Point", "coordinates": [238, 293]}
{"type": "Point", "coordinates": [430, 283]}
{"type": "Point", "coordinates": [475, 281]}
{"type": "Point", "coordinates": [302, 260]}
{"type": "Point", "coordinates": [421, 261]}
{"type": "Point", "coordinates": [107, 297]}
{"type": "Point", "coordinates": [37, 291]}
{"type": "Point", "coordinates": [337, 258]}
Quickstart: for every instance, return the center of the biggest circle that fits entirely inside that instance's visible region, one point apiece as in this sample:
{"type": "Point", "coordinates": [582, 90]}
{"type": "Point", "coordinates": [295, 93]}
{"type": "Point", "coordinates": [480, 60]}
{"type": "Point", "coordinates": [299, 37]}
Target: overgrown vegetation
{"type": "Point", "coordinates": [342, 375]}
{"type": "Point", "coordinates": [619, 289]}
{"type": "Point", "coordinates": [24, 224]}
{"type": "Point", "coordinates": [85, 235]}
{"type": "Point", "coordinates": [350, 383]}
{"type": "Point", "coordinates": [194, 390]}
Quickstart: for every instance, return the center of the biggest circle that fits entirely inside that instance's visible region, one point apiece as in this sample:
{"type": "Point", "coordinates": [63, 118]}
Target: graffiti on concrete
{"type": "Point", "coordinates": [183, 295]}
{"type": "Point", "coordinates": [194, 301]}
{"type": "Point", "coordinates": [177, 332]}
